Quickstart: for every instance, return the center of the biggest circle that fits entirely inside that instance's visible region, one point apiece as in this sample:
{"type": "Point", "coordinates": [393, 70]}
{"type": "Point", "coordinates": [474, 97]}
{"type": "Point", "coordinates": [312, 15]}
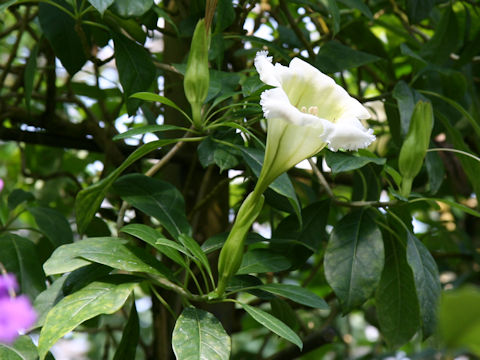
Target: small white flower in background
{"type": "Point", "coordinates": [306, 111]}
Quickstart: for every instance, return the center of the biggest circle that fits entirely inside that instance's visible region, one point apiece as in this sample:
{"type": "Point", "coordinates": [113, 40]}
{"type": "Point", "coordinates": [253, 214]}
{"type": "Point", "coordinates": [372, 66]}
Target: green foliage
{"type": "Point", "coordinates": [133, 132]}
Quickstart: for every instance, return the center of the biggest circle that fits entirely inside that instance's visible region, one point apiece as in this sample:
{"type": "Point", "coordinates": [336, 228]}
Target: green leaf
{"type": "Point", "coordinates": [297, 294]}
{"type": "Point", "coordinates": [298, 243]}
{"type": "Point", "coordinates": [151, 236]}
{"type": "Point", "coordinates": [397, 304]}
{"type": "Point", "coordinates": [335, 13]}
{"type": "Point", "coordinates": [354, 259]}
{"type": "Point", "coordinates": [273, 324]}
{"type": "Point", "coordinates": [47, 299]}
{"type": "Point", "coordinates": [147, 129]}
{"type": "Point", "coordinates": [418, 10]}
{"type": "Point", "coordinates": [59, 29]}
{"type": "Point", "coordinates": [94, 299]}
{"type": "Point", "coordinates": [127, 8]}
{"type": "Point", "coordinates": [101, 5]}
{"type": "Point", "coordinates": [435, 170]}
{"type": "Point", "coordinates": [6, 4]}
{"type": "Point", "coordinates": [135, 68]}
{"type": "Point", "coordinates": [406, 103]}
{"type": "Point", "coordinates": [335, 57]}
{"type": "Point", "coordinates": [156, 198]}
{"type": "Point", "coordinates": [358, 4]}
{"type": "Point", "coordinates": [341, 162]}
{"type": "Point", "coordinates": [195, 250]}
{"type": "Point", "coordinates": [199, 335]}
{"type": "Point", "coordinates": [29, 76]}
{"type": "Point", "coordinates": [158, 98]}
{"type": "Point", "coordinates": [458, 107]}
{"type": "Point", "coordinates": [454, 204]}
{"type": "Point", "coordinates": [445, 40]}
{"type": "Point", "coordinates": [22, 349]}
{"type": "Point", "coordinates": [128, 344]}
{"type": "Point", "coordinates": [427, 282]}
{"type": "Point", "coordinates": [107, 251]}
{"type": "Point", "coordinates": [262, 261]}
{"type": "Point", "coordinates": [19, 256]}
{"type": "Point", "coordinates": [282, 185]}
{"type": "Point", "coordinates": [17, 197]}
{"type": "Point", "coordinates": [459, 319]}
{"type": "Point", "coordinates": [89, 199]}
{"type": "Point", "coordinates": [53, 225]}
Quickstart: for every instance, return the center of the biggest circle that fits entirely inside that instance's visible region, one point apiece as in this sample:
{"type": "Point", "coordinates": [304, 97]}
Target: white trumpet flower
{"type": "Point", "coordinates": [305, 111]}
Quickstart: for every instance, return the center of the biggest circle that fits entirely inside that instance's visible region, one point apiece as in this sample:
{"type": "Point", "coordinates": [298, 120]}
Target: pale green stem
{"type": "Point", "coordinates": [232, 252]}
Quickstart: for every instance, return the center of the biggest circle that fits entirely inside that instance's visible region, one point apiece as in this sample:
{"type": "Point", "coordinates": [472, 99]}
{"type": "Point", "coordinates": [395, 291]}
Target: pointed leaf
{"type": "Point", "coordinates": [427, 282]}
{"type": "Point", "coordinates": [297, 294]}
{"type": "Point", "coordinates": [53, 225]}
{"type": "Point", "coordinates": [135, 68]}
{"type": "Point", "coordinates": [101, 5]}
{"type": "Point", "coordinates": [273, 324]}
{"type": "Point", "coordinates": [354, 259]}
{"type": "Point", "coordinates": [19, 255]}
{"type": "Point", "coordinates": [94, 299]}
{"type": "Point", "coordinates": [128, 345]}
{"type": "Point", "coordinates": [107, 251]}
{"type": "Point", "coordinates": [199, 335]}
{"type": "Point", "coordinates": [397, 305]}
{"type": "Point", "coordinates": [147, 129]}
{"type": "Point", "coordinates": [262, 261]}
{"type": "Point", "coordinates": [88, 200]}
{"type": "Point", "coordinates": [156, 198]}
{"type": "Point", "coordinates": [150, 236]}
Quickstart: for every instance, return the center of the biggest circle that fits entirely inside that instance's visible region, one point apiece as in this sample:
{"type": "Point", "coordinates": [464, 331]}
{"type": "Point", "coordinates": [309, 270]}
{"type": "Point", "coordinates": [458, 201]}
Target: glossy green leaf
{"type": "Point", "coordinates": [427, 282]}
{"type": "Point", "coordinates": [53, 225]}
{"type": "Point", "coordinates": [459, 319]}
{"type": "Point", "coordinates": [22, 349]}
{"type": "Point", "coordinates": [88, 200]}
{"type": "Point", "coordinates": [282, 185]}
{"type": "Point", "coordinates": [127, 347]}
{"type": "Point", "coordinates": [195, 250]}
{"type": "Point", "coordinates": [297, 294]}
{"type": "Point", "coordinates": [101, 5]}
{"type": "Point", "coordinates": [199, 335]}
{"type": "Point", "coordinates": [29, 75]}
{"type": "Point", "coordinates": [151, 236]}
{"type": "Point", "coordinates": [17, 197]}
{"type": "Point", "coordinates": [360, 5]}
{"type": "Point", "coordinates": [354, 259]}
{"type": "Point", "coordinates": [107, 251]}
{"type": "Point", "coordinates": [273, 324]}
{"type": "Point", "coordinates": [94, 299]}
{"type": "Point", "coordinates": [19, 256]}
{"type": "Point", "coordinates": [418, 10]}
{"type": "Point", "coordinates": [127, 8]}
{"type": "Point", "coordinates": [135, 68]}
{"type": "Point", "coordinates": [334, 57]}
{"type": "Point", "coordinates": [59, 29]}
{"type": "Point", "coordinates": [261, 261]}
{"type": "Point", "coordinates": [396, 299]}
{"type": "Point", "coordinates": [446, 40]}
{"type": "Point", "coordinates": [158, 98]}
{"type": "Point", "coordinates": [335, 14]}
{"type": "Point", "coordinates": [406, 103]}
{"type": "Point", "coordinates": [156, 198]}
{"type": "Point", "coordinates": [341, 162]}
{"type": "Point", "coordinates": [147, 129]}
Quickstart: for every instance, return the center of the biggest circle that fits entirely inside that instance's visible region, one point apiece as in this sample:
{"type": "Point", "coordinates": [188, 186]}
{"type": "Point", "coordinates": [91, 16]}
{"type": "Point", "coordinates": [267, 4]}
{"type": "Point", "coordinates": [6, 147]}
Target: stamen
{"type": "Point", "coordinates": [313, 110]}
{"type": "Point", "coordinates": [303, 109]}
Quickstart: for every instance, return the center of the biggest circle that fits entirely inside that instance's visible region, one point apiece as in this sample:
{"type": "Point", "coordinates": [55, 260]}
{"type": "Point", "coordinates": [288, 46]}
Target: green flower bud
{"type": "Point", "coordinates": [197, 76]}
{"type": "Point", "coordinates": [232, 251]}
{"type": "Point", "coordinates": [415, 145]}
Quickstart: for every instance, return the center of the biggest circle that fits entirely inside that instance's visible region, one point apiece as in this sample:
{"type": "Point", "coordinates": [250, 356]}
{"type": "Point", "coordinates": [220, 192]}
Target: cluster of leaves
{"type": "Point", "coordinates": [89, 244]}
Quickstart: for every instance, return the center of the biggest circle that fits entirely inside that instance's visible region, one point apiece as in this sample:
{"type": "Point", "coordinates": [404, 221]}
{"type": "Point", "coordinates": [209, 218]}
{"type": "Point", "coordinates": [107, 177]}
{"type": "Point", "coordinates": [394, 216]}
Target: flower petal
{"type": "Point", "coordinates": [348, 134]}
{"type": "Point", "coordinates": [276, 104]}
{"type": "Point", "coordinates": [265, 69]}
